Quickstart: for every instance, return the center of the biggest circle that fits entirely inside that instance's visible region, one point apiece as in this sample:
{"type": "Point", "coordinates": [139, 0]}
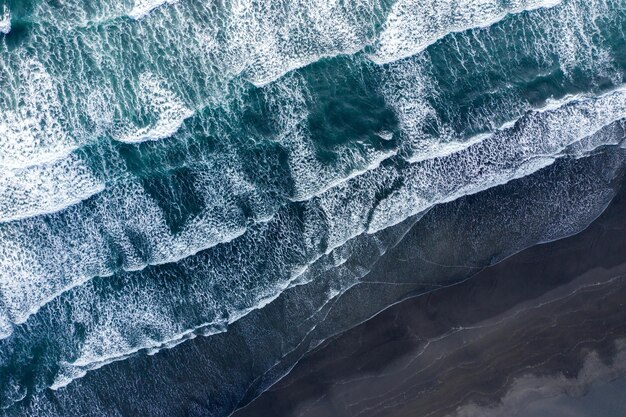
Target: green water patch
{"type": "Point", "coordinates": [346, 108]}
{"type": "Point", "coordinates": [176, 196]}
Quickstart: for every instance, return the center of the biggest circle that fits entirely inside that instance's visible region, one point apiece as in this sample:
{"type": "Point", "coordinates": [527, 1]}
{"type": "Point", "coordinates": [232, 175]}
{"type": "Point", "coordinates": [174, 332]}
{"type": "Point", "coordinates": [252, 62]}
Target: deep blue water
{"type": "Point", "coordinates": [190, 190]}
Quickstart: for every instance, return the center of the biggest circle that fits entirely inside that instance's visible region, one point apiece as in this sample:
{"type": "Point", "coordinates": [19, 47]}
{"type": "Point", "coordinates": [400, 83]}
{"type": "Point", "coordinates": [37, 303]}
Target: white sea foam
{"type": "Point", "coordinates": [574, 32]}
{"type": "Point", "coordinates": [534, 142]}
{"type": "Point", "coordinates": [40, 173]}
{"type": "Point", "coordinates": [41, 260]}
{"type": "Point", "coordinates": [265, 40]}
{"type": "Point", "coordinates": [169, 109]}
{"type": "Point", "coordinates": [414, 110]}
{"type": "Point", "coordinates": [116, 347]}
{"type": "Point", "coordinates": [268, 39]}
{"type": "Point", "coordinates": [310, 175]}
{"type": "Point", "coordinates": [33, 133]}
{"type": "Point", "coordinates": [5, 21]}
{"type": "Point", "coordinates": [342, 209]}
{"type": "Point", "coordinates": [413, 25]}
{"type": "Point", "coordinates": [108, 344]}
{"type": "Point", "coordinates": [90, 361]}
{"type": "Point", "coordinates": [45, 188]}
{"type": "Point", "coordinates": [26, 283]}
{"type": "Point", "coordinates": [312, 178]}
{"type": "Point", "coordinates": [143, 7]}
{"type": "Point", "coordinates": [413, 103]}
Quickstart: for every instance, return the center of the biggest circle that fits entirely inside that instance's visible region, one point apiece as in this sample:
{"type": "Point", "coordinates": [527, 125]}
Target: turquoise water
{"type": "Point", "coordinates": [168, 168]}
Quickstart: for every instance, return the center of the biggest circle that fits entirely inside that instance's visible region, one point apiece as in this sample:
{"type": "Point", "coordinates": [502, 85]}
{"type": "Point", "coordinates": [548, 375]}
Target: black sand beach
{"type": "Point", "coordinates": [540, 333]}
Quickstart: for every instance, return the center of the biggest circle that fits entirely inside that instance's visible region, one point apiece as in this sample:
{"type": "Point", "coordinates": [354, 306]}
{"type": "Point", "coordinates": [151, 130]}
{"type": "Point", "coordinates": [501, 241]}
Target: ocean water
{"type": "Point", "coordinates": [193, 194]}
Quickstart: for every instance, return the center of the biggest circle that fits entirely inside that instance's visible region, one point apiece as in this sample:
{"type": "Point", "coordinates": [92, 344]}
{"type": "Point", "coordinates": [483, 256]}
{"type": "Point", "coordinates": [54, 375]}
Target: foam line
{"type": "Point", "coordinates": [36, 267]}
{"type": "Point", "coordinates": [5, 20]}
{"type": "Point", "coordinates": [143, 7]}
{"type": "Point", "coordinates": [531, 144]}
{"type": "Point", "coordinates": [413, 25]}
{"type": "Point", "coordinates": [170, 111]}
{"type": "Point", "coordinates": [32, 133]}
{"type": "Point", "coordinates": [269, 39]}
{"type": "Point", "coordinates": [44, 189]}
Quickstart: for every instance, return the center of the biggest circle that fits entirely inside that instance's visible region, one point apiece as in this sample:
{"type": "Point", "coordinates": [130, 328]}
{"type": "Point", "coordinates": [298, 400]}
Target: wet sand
{"type": "Point", "coordinates": [540, 333]}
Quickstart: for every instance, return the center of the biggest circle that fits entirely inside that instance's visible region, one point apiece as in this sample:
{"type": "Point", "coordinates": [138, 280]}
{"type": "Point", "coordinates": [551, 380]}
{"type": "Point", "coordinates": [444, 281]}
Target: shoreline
{"type": "Point", "coordinates": [345, 375]}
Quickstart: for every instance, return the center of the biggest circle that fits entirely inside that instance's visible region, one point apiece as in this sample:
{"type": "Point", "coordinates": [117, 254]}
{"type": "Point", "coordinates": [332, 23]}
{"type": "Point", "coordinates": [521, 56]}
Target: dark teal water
{"type": "Point", "coordinates": [175, 170]}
